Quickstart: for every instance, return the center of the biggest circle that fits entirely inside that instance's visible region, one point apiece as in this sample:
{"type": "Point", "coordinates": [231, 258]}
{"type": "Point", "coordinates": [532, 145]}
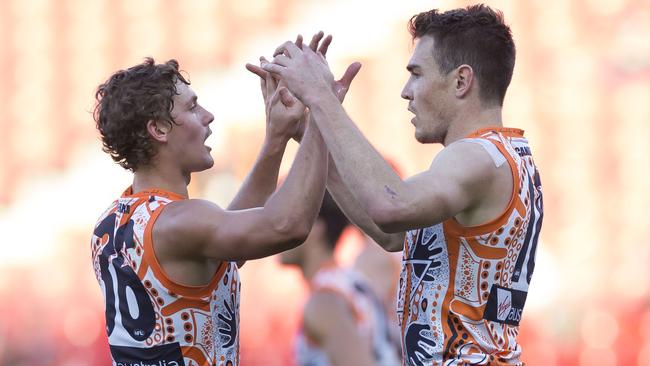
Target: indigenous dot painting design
{"type": "Point", "coordinates": [151, 320]}
{"type": "Point", "coordinates": [462, 289]}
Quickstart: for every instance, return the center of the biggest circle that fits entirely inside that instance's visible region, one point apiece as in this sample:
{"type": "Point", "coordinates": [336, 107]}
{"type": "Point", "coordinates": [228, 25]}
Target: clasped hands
{"type": "Point", "coordinates": [296, 77]}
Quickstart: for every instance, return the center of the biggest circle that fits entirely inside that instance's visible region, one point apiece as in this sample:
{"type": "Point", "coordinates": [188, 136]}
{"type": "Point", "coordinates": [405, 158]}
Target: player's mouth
{"type": "Point", "coordinates": [206, 137]}
{"type": "Point", "coordinates": [415, 115]}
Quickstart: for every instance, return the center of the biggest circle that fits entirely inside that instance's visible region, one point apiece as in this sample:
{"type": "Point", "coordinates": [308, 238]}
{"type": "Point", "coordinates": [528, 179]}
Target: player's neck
{"type": "Point", "coordinates": [468, 121]}
{"type": "Point", "coordinates": [147, 178]}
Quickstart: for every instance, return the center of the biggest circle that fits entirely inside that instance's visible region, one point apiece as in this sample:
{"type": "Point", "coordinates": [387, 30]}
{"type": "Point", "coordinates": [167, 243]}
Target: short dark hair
{"type": "Point", "coordinates": [476, 36]}
{"type": "Point", "coordinates": [334, 219]}
{"type": "Point", "coordinates": [127, 101]}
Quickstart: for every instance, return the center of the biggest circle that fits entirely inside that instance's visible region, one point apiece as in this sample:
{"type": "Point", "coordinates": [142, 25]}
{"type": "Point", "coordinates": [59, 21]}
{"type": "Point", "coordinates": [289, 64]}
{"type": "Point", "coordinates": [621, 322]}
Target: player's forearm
{"type": "Point", "coordinates": [261, 181]}
{"type": "Point", "coordinates": [367, 175]}
{"type": "Point", "coordinates": [295, 204]}
{"type": "Point", "coordinates": [356, 214]}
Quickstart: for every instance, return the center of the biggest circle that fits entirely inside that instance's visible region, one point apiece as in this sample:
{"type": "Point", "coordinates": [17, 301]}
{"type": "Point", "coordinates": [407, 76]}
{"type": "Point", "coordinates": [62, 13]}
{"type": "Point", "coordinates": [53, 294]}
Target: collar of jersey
{"type": "Point", "coordinates": [153, 192]}
{"type": "Point", "coordinates": [505, 131]}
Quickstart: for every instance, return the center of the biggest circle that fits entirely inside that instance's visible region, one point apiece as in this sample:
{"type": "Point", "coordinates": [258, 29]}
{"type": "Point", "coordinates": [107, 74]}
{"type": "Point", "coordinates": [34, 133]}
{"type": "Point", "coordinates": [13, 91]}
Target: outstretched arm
{"type": "Point", "coordinates": [351, 207]}
{"type": "Point", "coordinates": [283, 113]}
{"type": "Point", "coordinates": [200, 229]}
{"type": "Point", "coordinates": [460, 177]}
{"type": "Point", "coordinates": [335, 185]}
{"type": "Point", "coordinates": [457, 180]}
{"type": "Point", "coordinates": [360, 168]}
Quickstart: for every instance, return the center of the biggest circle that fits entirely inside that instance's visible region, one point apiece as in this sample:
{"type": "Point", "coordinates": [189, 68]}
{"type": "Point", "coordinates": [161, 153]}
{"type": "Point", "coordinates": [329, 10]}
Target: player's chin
{"type": "Point", "coordinates": [425, 138]}
{"type": "Point", "coordinates": [420, 137]}
{"type": "Point", "coordinates": [207, 163]}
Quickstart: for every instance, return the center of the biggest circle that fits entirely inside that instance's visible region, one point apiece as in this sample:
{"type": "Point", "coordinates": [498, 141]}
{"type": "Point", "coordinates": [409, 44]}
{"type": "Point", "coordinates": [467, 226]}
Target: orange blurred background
{"type": "Point", "coordinates": [581, 90]}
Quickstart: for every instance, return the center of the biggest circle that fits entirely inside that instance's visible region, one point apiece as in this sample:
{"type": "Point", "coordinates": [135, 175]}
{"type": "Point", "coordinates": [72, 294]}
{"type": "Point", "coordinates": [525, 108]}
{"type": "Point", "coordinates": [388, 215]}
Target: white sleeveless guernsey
{"type": "Point", "coordinates": [151, 320]}
{"type": "Point", "coordinates": [462, 289]}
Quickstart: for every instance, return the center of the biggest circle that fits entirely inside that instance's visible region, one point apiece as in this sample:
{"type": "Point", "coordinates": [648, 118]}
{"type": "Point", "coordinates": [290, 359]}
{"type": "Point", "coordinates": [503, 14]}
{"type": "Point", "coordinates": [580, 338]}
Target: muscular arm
{"type": "Point", "coordinates": [459, 179]}
{"type": "Point", "coordinates": [350, 206]}
{"type": "Point", "coordinates": [283, 113]}
{"type": "Point", "coordinates": [369, 178]}
{"type": "Point", "coordinates": [335, 185]}
{"type": "Point", "coordinates": [261, 181]}
{"type": "Point", "coordinates": [460, 176]}
{"type": "Point", "coordinates": [356, 214]}
{"type": "Point", "coordinates": [282, 117]}
{"type": "Point", "coordinates": [329, 321]}
{"type": "Point", "coordinates": [201, 229]}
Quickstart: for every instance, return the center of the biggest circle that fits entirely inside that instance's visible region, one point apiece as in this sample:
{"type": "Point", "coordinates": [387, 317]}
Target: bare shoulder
{"type": "Point", "coordinates": [466, 158]}
{"type": "Point", "coordinates": [186, 222]}
{"type": "Point", "coordinates": [484, 180]}
{"type": "Point", "coordinates": [187, 215]}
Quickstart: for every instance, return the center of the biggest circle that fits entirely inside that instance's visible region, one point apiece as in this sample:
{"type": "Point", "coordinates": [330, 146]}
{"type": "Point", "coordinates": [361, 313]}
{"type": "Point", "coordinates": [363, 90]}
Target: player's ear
{"type": "Point", "coordinates": [463, 80]}
{"type": "Point", "coordinates": [159, 130]}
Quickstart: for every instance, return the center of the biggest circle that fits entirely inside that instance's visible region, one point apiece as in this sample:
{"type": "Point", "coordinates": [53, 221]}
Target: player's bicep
{"type": "Point", "coordinates": [249, 234]}
{"type": "Point", "coordinates": [200, 228]}
{"type": "Point", "coordinates": [456, 181]}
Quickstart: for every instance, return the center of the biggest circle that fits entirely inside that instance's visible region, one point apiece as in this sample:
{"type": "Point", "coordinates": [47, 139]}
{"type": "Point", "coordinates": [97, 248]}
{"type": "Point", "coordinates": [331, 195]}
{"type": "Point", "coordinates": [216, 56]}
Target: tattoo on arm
{"type": "Point", "coordinates": [392, 193]}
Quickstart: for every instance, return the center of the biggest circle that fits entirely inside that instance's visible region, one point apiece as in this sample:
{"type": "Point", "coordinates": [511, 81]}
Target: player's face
{"type": "Point", "coordinates": [188, 135]}
{"type": "Point", "coordinates": [428, 93]}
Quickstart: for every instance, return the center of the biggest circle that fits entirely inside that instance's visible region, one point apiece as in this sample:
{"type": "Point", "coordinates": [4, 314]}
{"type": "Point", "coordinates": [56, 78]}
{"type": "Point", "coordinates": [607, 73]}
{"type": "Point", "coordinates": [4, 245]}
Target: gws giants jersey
{"type": "Point", "coordinates": [368, 312]}
{"type": "Point", "coordinates": [462, 289]}
{"type": "Point", "coordinates": [151, 320]}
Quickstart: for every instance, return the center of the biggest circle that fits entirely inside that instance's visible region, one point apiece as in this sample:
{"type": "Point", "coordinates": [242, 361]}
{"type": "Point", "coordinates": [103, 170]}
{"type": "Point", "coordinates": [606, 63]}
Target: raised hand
{"type": "Point", "coordinates": [305, 69]}
{"type": "Point", "coordinates": [283, 110]}
{"type": "Point", "coordinates": [339, 87]}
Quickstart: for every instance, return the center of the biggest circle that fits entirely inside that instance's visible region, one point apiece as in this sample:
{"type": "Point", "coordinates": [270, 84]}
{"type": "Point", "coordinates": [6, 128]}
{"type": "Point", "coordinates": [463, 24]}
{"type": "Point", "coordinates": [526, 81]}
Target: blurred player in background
{"type": "Point", "coordinates": [344, 321]}
{"type": "Point", "coordinates": [381, 269]}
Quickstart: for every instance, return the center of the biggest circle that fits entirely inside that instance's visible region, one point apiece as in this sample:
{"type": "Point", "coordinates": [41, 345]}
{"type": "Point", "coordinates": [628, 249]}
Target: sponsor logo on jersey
{"type": "Point", "coordinates": [505, 305]}
{"type": "Point", "coordinates": [161, 355]}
